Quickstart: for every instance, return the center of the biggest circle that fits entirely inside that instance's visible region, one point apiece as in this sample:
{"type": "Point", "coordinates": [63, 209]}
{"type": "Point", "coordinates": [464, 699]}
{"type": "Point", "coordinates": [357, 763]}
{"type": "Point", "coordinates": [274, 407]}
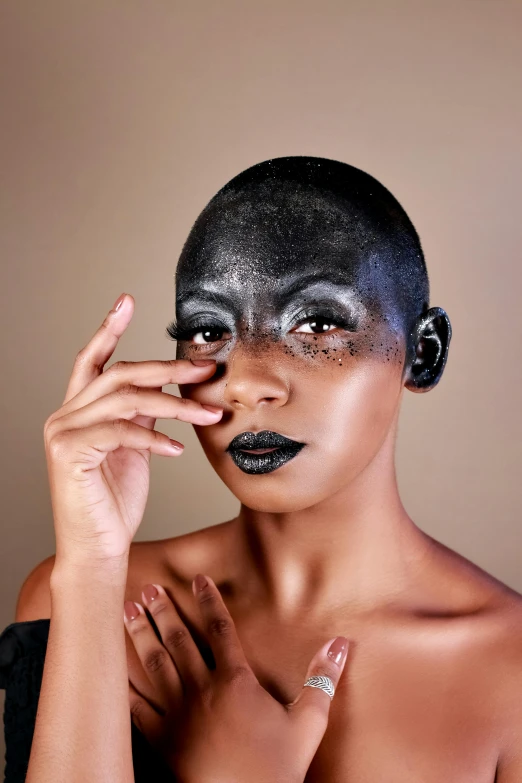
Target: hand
{"type": "Point", "coordinates": [98, 444]}
{"type": "Point", "coordinates": [220, 724]}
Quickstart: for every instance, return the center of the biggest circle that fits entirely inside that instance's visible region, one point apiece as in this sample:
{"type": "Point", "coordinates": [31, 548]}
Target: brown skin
{"type": "Point", "coordinates": [220, 724]}
{"type": "Point", "coordinates": [98, 446]}
{"type": "Point", "coordinates": [344, 412]}
{"type": "Point", "coordinates": [434, 659]}
{"type": "Point", "coordinates": [433, 685]}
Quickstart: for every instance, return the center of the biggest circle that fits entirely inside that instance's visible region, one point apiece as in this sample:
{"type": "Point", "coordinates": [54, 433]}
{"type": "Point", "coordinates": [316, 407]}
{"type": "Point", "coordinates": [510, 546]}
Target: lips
{"type": "Point", "coordinates": [242, 449]}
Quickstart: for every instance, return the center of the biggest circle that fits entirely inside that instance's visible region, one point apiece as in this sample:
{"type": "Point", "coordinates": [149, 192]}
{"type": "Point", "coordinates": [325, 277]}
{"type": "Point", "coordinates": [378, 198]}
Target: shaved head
{"type": "Point", "coordinates": [304, 280]}
{"type": "Point", "coordinates": [298, 214]}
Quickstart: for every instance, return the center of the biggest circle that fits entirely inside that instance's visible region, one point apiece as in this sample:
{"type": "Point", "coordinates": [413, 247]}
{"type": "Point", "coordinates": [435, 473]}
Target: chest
{"type": "Point", "coordinates": [401, 713]}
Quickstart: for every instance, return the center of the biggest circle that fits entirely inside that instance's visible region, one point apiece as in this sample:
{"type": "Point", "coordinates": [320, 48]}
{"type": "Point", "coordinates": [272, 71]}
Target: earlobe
{"type": "Point", "coordinates": [429, 343]}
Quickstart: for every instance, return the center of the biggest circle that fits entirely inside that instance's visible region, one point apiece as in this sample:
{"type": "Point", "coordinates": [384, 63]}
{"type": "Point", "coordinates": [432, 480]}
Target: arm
{"type": "Point", "coordinates": [84, 694]}
{"type": "Point", "coordinates": [98, 446]}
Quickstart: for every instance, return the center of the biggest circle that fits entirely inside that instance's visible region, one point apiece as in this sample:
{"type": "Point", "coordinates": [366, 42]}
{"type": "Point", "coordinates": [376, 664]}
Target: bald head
{"type": "Point", "coordinates": [309, 216]}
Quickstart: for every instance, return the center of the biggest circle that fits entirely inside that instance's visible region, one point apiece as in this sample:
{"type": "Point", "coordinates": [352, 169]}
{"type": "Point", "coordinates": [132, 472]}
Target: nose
{"type": "Point", "coordinates": [251, 381]}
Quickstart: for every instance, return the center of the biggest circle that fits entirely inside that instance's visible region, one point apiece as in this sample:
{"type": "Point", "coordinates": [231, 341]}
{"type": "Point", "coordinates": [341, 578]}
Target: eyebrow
{"type": "Point", "coordinates": [285, 293]}
{"type": "Point", "coordinates": [205, 295]}
{"type": "Point", "coordinates": [312, 279]}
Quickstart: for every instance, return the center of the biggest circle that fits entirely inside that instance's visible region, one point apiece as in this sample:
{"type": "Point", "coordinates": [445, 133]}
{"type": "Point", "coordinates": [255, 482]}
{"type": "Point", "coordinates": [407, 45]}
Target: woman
{"type": "Point", "coordinates": [305, 282]}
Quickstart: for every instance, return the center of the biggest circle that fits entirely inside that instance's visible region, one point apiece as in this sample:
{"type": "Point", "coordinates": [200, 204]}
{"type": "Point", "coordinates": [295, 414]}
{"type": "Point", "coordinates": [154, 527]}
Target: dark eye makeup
{"type": "Point", "coordinates": [317, 318]}
{"type": "Point", "coordinates": [180, 333]}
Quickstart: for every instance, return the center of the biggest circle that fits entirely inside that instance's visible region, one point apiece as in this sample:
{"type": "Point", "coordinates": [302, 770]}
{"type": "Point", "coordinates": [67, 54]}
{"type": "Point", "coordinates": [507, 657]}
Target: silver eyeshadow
{"type": "Point", "coordinates": [284, 301]}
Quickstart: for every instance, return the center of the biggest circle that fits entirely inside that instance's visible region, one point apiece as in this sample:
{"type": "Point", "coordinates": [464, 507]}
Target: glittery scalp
{"type": "Point", "coordinates": [302, 213]}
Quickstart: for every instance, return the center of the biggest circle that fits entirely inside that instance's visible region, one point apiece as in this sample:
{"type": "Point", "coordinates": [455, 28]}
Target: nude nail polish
{"type": "Point", "coordinates": [131, 610]}
{"type": "Point", "coordinates": [150, 592]}
{"type": "Point", "coordinates": [338, 649]}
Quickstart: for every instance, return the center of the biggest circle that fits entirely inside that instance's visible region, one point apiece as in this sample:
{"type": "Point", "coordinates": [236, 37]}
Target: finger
{"type": "Point", "coordinates": [155, 659]}
{"type": "Point", "coordinates": [84, 449]}
{"type": "Point", "coordinates": [149, 422]}
{"type": "Point", "coordinates": [130, 402]}
{"type": "Point", "coordinates": [91, 359]}
{"type": "Point", "coordinates": [176, 637]}
{"type": "Point", "coordinates": [147, 374]}
{"type": "Point", "coordinates": [145, 717]}
{"type": "Point", "coordinates": [140, 681]}
{"type": "Point", "coordinates": [311, 708]}
{"type": "Point", "coordinates": [219, 626]}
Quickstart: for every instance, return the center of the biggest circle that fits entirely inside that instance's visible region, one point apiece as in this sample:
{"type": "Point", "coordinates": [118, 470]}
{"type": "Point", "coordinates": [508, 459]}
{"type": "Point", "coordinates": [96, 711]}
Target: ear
{"type": "Point", "coordinates": [429, 343]}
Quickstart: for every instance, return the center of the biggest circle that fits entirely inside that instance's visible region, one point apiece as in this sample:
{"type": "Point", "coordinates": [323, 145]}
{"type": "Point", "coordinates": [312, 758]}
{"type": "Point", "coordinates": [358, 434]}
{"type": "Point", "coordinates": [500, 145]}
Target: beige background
{"type": "Point", "coordinates": [121, 119]}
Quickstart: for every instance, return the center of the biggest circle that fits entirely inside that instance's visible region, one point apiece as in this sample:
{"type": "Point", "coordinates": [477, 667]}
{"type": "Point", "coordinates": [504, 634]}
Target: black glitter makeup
{"type": "Point", "coordinates": [262, 452]}
{"type": "Point", "coordinates": [299, 234]}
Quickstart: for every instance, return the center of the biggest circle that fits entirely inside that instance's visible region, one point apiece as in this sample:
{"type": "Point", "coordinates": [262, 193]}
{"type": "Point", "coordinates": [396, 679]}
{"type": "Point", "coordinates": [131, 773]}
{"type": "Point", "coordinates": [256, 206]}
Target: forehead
{"type": "Point", "coordinates": [253, 242]}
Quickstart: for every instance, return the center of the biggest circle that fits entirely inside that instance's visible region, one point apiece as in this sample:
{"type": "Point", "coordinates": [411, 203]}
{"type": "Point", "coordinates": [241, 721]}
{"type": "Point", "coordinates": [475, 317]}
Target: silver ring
{"type": "Point", "coordinates": [324, 683]}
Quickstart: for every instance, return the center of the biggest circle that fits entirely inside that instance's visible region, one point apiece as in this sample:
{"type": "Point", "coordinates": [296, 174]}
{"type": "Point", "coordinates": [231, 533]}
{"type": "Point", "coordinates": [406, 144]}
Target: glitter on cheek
{"type": "Point", "coordinates": [374, 339]}
{"type": "Point", "coordinates": [322, 350]}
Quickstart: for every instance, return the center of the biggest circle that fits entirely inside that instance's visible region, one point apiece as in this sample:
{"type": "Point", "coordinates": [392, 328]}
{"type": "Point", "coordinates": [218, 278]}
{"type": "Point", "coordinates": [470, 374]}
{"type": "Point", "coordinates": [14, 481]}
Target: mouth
{"type": "Point", "coordinates": [262, 452]}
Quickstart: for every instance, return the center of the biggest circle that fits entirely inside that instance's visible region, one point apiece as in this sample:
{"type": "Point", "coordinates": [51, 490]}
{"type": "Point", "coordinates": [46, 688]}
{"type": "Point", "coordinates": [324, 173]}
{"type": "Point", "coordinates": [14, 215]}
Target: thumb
{"type": "Point", "coordinates": [310, 710]}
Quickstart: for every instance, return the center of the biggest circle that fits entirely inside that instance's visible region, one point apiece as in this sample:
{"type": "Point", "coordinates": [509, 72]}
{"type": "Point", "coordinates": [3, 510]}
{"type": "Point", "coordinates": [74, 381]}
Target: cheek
{"type": "Point", "coordinates": [205, 393]}
{"type": "Point", "coordinates": [353, 413]}
{"type": "Point", "coordinates": [344, 415]}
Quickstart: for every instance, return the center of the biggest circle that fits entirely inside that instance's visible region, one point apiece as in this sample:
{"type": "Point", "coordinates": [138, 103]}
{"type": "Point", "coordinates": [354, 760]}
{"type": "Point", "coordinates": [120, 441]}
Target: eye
{"type": "Point", "coordinates": [202, 333]}
{"type": "Point", "coordinates": [321, 324]}
{"type": "Point", "coordinates": [208, 335]}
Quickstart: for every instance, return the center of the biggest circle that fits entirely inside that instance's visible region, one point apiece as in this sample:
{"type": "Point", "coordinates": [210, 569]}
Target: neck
{"type": "Point", "coordinates": [357, 548]}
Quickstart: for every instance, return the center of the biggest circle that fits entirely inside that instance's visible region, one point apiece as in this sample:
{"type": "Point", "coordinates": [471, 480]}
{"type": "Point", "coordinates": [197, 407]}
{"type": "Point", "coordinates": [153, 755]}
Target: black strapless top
{"type": "Point", "coordinates": [22, 655]}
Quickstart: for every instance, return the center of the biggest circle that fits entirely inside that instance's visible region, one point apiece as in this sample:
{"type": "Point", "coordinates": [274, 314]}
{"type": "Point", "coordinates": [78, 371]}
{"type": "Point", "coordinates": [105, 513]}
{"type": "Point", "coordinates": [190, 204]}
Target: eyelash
{"type": "Point", "coordinates": [175, 332]}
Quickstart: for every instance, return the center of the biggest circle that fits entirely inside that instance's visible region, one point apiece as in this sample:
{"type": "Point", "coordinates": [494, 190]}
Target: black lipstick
{"type": "Point", "coordinates": [241, 449]}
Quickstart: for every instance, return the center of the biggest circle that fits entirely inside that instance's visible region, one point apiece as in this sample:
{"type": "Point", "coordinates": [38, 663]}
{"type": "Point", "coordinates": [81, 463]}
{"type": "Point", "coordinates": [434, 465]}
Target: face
{"type": "Point", "coordinates": [307, 342]}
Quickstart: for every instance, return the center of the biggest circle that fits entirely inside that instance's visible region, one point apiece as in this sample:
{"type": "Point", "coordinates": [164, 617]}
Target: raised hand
{"type": "Point", "coordinates": [220, 725]}
{"type": "Point", "coordinates": [98, 444]}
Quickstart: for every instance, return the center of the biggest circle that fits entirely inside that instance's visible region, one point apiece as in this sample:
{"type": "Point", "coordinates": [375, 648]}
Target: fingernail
{"type": "Point", "coordinates": [150, 592]}
{"type": "Point", "coordinates": [131, 610]}
{"type": "Point", "coordinates": [175, 445]}
{"type": "Point", "coordinates": [199, 583]}
{"type": "Point", "coordinates": [212, 408]}
{"type": "Point", "coordinates": [338, 649]}
{"type": "Point", "coordinates": [118, 303]}
{"type": "Point", "coordinates": [202, 362]}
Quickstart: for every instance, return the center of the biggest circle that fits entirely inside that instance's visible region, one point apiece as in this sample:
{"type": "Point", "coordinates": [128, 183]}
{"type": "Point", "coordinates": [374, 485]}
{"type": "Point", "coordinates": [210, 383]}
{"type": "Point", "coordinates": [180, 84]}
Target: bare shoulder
{"type": "Point", "coordinates": [491, 629]}
{"type": "Point", "coordinates": [466, 589]}
{"type": "Point", "coordinates": [34, 598]}
{"type": "Point", "coordinates": [172, 562]}
{"type": "Point", "coordinates": [480, 612]}
{"type": "Point", "coordinates": [503, 679]}
{"type": "Point", "coordinates": [504, 622]}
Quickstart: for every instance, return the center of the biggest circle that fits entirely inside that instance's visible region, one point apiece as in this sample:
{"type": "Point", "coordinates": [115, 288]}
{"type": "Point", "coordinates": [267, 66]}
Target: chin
{"type": "Point", "coordinates": [300, 483]}
{"type": "Point", "coordinates": [271, 502]}
{"type": "Point", "coordinates": [276, 492]}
